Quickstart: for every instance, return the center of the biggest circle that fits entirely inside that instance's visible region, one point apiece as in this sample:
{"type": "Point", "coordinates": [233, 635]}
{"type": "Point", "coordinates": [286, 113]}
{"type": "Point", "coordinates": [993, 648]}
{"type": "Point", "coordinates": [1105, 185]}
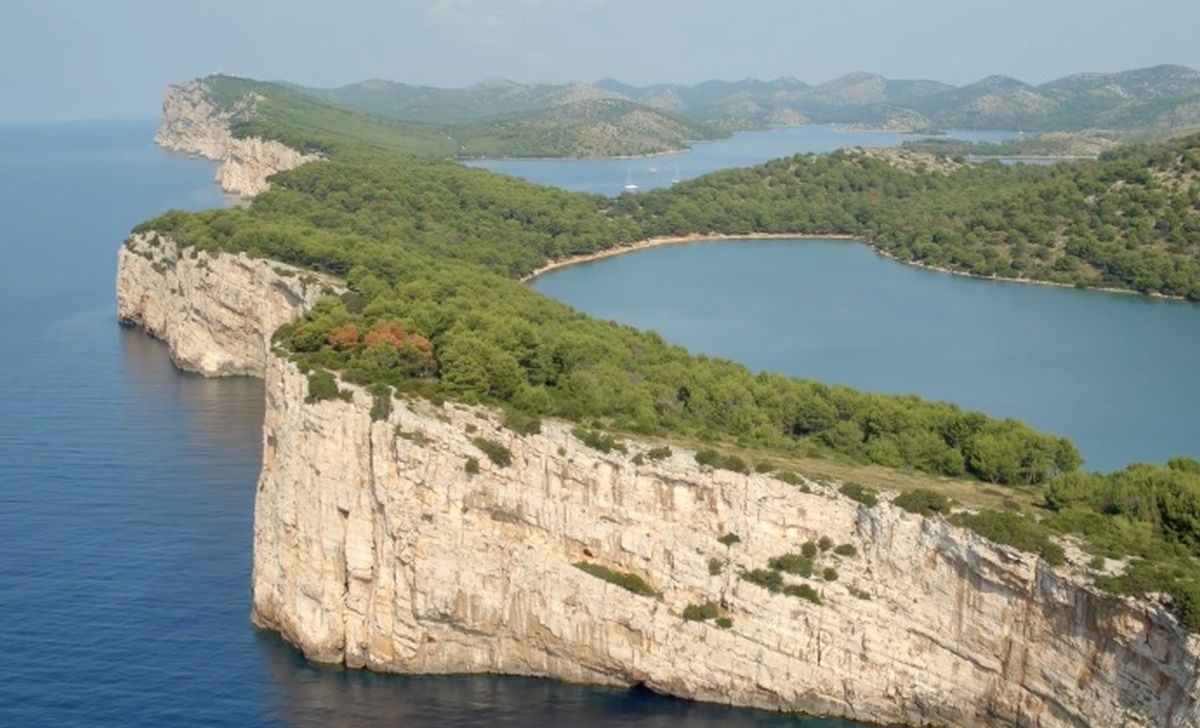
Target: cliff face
{"type": "Point", "coordinates": [191, 124]}
{"type": "Point", "coordinates": [215, 312]}
{"type": "Point", "coordinates": [374, 547]}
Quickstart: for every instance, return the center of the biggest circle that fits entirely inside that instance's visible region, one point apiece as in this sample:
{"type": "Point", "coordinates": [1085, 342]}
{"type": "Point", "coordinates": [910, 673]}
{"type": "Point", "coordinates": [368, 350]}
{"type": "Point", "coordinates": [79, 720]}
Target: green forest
{"type": "Point", "coordinates": [432, 253]}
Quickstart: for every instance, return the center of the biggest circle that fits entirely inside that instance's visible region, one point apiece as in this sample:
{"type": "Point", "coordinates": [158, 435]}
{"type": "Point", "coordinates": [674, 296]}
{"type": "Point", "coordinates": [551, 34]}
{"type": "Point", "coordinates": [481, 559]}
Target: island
{"type": "Point", "coordinates": [461, 475]}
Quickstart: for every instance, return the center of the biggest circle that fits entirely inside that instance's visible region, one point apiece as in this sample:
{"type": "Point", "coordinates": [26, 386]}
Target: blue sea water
{"type": "Point", "coordinates": [609, 176]}
{"type": "Point", "coordinates": [126, 496]}
{"type": "Point", "coordinates": [1115, 373]}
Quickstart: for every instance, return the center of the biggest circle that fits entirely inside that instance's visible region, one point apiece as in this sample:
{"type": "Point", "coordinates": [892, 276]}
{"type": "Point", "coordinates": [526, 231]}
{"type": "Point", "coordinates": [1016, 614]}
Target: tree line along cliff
{"type": "Point", "coordinates": [431, 253]}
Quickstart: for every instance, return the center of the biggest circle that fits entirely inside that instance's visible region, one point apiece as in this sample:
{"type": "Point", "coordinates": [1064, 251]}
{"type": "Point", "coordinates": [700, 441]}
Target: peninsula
{"type": "Point", "coordinates": [460, 475]}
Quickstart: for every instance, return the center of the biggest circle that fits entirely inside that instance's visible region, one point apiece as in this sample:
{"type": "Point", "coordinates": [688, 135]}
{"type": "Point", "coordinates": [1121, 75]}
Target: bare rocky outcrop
{"type": "Point", "coordinates": [193, 125]}
{"type": "Point", "coordinates": [216, 312]}
{"type": "Point", "coordinates": [374, 547]}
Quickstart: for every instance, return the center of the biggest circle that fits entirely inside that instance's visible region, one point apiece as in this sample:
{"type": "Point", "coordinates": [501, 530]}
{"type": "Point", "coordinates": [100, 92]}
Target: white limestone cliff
{"type": "Point", "coordinates": [193, 125]}
{"type": "Point", "coordinates": [215, 312]}
{"type": "Point", "coordinates": [374, 547]}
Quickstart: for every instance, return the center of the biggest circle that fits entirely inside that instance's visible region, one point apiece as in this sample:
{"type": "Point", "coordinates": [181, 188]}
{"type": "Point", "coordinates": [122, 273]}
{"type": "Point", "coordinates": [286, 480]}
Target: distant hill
{"type": "Point", "coordinates": [610, 118]}
{"type": "Point", "coordinates": [497, 118]}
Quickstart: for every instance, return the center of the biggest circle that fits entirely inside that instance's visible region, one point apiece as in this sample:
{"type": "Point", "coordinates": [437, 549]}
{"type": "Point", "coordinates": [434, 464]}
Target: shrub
{"type": "Point", "coordinates": [322, 386]}
{"type": "Point", "coordinates": [846, 549]}
{"type": "Point", "coordinates": [792, 564]}
{"type": "Point", "coordinates": [416, 436]}
{"type": "Point", "coordinates": [854, 491]}
{"type": "Point", "coordinates": [715, 566]}
{"type": "Point", "coordinates": [599, 441]}
{"type": "Point", "coordinates": [701, 612]}
{"type": "Point", "coordinates": [658, 453]}
{"type": "Point", "coordinates": [521, 422]}
{"type": "Point", "coordinates": [623, 579]}
{"type": "Point", "coordinates": [829, 574]}
{"type": "Point", "coordinates": [714, 459]}
{"type": "Point", "coordinates": [497, 453]}
{"type": "Point", "coordinates": [858, 593]}
{"type": "Point", "coordinates": [724, 622]}
{"type": "Point", "coordinates": [1013, 530]}
{"type": "Point", "coordinates": [825, 543]}
{"type": "Point", "coordinates": [381, 401]}
{"type": "Point", "coordinates": [471, 466]}
{"type": "Point", "coordinates": [764, 467]}
{"type": "Point", "coordinates": [809, 549]}
{"type": "Point", "coordinates": [789, 477]}
{"type": "Point", "coordinates": [923, 502]}
{"type": "Point", "coordinates": [730, 539]}
{"type": "Point", "coordinates": [802, 591]}
{"type": "Point", "coordinates": [768, 579]}
{"type": "Point", "coordinates": [639, 459]}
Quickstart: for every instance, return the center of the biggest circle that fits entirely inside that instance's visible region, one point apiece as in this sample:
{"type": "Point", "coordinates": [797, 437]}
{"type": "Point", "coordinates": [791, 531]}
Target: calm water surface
{"type": "Point", "coordinates": [126, 496]}
{"type": "Point", "coordinates": [609, 176]}
{"type": "Point", "coordinates": [1118, 374]}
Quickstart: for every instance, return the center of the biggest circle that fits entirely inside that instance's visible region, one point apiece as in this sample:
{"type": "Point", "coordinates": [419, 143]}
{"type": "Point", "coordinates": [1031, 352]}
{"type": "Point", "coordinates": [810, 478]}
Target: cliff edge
{"type": "Point", "coordinates": [192, 124]}
{"type": "Point", "coordinates": [376, 546]}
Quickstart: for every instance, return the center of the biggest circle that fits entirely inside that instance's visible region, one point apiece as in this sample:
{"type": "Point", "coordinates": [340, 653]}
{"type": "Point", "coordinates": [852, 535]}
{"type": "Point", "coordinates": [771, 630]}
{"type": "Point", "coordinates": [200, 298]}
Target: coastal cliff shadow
{"type": "Point", "coordinates": [305, 695]}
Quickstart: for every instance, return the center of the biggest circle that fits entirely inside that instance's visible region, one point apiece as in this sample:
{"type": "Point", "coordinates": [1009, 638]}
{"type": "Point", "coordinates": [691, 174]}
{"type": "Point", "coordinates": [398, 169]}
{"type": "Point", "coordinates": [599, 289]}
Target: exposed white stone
{"type": "Point", "coordinates": [191, 124]}
{"type": "Point", "coordinates": [380, 551]}
{"type": "Point", "coordinates": [216, 312]}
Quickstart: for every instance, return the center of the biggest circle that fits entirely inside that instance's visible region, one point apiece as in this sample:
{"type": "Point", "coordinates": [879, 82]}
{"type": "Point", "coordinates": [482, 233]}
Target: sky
{"type": "Point", "coordinates": [92, 59]}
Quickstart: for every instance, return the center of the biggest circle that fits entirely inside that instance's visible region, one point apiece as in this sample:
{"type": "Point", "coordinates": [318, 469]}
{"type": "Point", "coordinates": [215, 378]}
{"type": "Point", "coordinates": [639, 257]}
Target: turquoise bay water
{"type": "Point", "coordinates": [609, 176]}
{"type": "Point", "coordinates": [1116, 373]}
{"type": "Point", "coordinates": [127, 489]}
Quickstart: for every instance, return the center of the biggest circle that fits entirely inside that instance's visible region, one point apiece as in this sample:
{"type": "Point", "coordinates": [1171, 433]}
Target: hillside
{"type": "Point", "coordinates": [494, 119]}
{"type": "Point", "coordinates": [430, 254]}
{"type": "Point", "coordinates": [610, 118]}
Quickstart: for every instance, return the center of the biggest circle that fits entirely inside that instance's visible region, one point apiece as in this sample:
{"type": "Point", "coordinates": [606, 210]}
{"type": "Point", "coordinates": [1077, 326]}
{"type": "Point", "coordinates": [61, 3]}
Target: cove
{"type": "Point", "coordinates": [1115, 373]}
{"type": "Point", "coordinates": [742, 149]}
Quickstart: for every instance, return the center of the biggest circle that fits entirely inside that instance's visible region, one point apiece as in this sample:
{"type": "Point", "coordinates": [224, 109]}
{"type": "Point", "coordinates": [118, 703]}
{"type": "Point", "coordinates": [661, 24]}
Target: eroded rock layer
{"type": "Point", "coordinates": [375, 547]}
{"type": "Point", "coordinates": [193, 125]}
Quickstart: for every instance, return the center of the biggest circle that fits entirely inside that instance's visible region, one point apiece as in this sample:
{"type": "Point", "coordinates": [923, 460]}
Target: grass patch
{"type": "Point", "coordinates": [625, 580]}
{"type": "Point", "coordinates": [792, 564]}
{"type": "Point", "coordinates": [923, 502]}
{"type": "Point", "coordinates": [600, 441]}
{"type": "Point", "coordinates": [802, 591]}
{"type": "Point", "coordinates": [701, 612]}
{"type": "Point", "coordinates": [768, 579]}
{"type": "Point", "coordinates": [730, 539]}
{"type": "Point", "coordinates": [497, 453]}
{"type": "Point", "coordinates": [864, 495]}
{"type": "Point", "coordinates": [1015, 530]}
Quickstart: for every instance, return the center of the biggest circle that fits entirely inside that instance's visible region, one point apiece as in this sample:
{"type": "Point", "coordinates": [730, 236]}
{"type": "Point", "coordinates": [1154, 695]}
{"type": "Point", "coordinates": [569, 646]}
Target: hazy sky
{"type": "Point", "coordinates": [62, 59]}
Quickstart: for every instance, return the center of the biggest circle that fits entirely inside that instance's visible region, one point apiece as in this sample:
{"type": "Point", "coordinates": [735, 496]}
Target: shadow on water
{"type": "Point", "coordinates": [307, 695]}
{"type": "Point", "coordinates": [127, 495]}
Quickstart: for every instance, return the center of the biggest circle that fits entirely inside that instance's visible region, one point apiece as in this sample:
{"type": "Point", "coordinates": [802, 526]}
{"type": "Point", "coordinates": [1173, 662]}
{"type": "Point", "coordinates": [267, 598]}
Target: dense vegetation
{"type": "Point", "coordinates": [1130, 220]}
{"type": "Point", "coordinates": [312, 121]}
{"type": "Point", "coordinates": [1160, 97]}
{"type": "Point", "coordinates": [417, 318]}
{"type": "Point", "coordinates": [431, 253]}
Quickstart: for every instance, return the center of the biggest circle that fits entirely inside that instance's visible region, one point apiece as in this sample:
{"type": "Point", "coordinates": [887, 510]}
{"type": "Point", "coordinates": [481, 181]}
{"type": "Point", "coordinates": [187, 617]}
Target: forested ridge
{"type": "Point", "coordinates": [1130, 220]}
{"type": "Point", "coordinates": [432, 253]}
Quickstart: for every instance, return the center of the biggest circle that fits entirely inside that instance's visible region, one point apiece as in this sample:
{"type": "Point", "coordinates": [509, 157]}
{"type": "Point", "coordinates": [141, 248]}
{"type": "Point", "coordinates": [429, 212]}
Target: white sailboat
{"type": "Point", "coordinates": [676, 177]}
{"type": "Point", "coordinates": [629, 183]}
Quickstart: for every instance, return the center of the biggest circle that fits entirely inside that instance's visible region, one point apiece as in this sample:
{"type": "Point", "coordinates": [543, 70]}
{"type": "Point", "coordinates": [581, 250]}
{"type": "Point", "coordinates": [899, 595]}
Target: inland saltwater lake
{"type": "Point", "coordinates": [126, 487]}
